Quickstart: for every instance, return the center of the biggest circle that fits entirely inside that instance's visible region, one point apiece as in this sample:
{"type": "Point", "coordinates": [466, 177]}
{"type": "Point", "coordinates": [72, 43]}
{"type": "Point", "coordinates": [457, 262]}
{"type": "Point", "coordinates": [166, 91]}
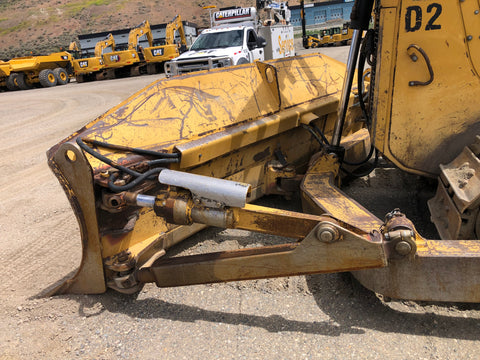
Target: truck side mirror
{"type": "Point", "coordinates": [261, 42]}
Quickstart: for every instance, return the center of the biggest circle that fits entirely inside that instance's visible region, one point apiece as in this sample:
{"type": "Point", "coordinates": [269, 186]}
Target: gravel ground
{"type": "Point", "coordinates": [314, 317]}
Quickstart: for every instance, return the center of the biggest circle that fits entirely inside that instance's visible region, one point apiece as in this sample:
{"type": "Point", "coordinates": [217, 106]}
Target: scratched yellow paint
{"type": "Point", "coordinates": [420, 127]}
{"type": "Point", "coordinates": [177, 110]}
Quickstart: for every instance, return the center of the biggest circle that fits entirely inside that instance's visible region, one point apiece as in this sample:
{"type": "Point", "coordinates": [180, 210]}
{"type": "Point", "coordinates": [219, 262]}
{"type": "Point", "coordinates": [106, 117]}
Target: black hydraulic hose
{"type": "Point", "coordinates": [130, 149]}
{"type": "Point", "coordinates": [163, 161]}
{"type": "Point", "coordinates": [106, 160]}
{"type": "Point", "coordinates": [361, 65]}
{"type": "Point", "coordinates": [319, 132]}
{"type": "Point", "coordinates": [139, 177]}
{"type": "Point", "coordinates": [369, 156]}
{"type": "Point", "coordinates": [324, 142]}
{"type": "Point", "coordinates": [365, 173]}
{"type": "Point", "coordinates": [314, 134]}
{"type": "Point", "coordinates": [347, 87]}
{"type": "Point", "coordinates": [365, 56]}
{"type": "Point", "coordinates": [360, 14]}
{"type": "Point", "coordinates": [133, 183]}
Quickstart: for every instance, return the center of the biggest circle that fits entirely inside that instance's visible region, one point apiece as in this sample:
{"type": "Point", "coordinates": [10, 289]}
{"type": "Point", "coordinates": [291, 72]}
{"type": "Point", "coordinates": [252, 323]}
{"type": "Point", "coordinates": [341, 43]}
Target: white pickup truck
{"type": "Point", "coordinates": [234, 39]}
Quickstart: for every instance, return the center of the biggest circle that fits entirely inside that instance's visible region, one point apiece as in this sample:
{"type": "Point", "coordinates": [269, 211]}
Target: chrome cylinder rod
{"type": "Point", "coordinates": [347, 87]}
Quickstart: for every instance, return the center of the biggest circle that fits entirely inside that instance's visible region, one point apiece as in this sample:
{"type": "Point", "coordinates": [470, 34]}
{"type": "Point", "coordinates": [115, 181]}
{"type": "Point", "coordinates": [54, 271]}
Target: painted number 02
{"type": "Point", "coordinates": [414, 17]}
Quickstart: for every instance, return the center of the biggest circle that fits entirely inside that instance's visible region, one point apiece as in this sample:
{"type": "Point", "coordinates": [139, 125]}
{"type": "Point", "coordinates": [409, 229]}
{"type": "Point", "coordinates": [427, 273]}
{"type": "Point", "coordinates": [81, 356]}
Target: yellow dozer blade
{"type": "Point", "coordinates": [228, 123]}
{"type": "Point", "coordinates": [197, 150]}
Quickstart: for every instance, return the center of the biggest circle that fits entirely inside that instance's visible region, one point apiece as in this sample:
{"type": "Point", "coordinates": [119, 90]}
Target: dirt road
{"type": "Point", "coordinates": [316, 317]}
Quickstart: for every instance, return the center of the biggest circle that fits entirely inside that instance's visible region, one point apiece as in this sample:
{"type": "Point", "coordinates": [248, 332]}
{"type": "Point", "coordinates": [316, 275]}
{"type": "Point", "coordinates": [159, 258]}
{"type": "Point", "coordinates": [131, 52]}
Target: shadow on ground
{"type": "Point", "coordinates": [351, 309]}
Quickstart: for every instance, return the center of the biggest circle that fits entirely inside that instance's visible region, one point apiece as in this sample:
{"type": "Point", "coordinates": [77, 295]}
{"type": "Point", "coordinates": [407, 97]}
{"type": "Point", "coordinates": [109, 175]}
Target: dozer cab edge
{"type": "Point", "coordinates": [198, 149]}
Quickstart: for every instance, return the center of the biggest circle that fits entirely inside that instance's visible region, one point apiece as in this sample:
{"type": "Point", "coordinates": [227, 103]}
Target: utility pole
{"type": "Point", "coordinates": [210, 7]}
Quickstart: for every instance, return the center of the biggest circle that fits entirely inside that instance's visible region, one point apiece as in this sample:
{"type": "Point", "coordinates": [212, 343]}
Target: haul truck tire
{"type": "Point", "coordinates": [22, 82]}
{"type": "Point", "coordinates": [61, 75]}
{"type": "Point", "coordinates": [47, 78]}
{"type": "Point", "coordinates": [12, 83]}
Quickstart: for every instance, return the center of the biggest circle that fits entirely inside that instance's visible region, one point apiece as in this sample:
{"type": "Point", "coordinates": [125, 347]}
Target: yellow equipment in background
{"type": "Point", "coordinates": [93, 67]}
{"type": "Point", "coordinates": [329, 36]}
{"type": "Point", "coordinates": [342, 36]}
{"type": "Point", "coordinates": [155, 56]}
{"type": "Point", "coordinates": [73, 47]}
{"type": "Point", "coordinates": [23, 73]}
{"type": "Point", "coordinates": [127, 62]}
{"type": "Point", "coordinates": [137, 60]}
{"type": "Point", "coordinates": [198, 149]}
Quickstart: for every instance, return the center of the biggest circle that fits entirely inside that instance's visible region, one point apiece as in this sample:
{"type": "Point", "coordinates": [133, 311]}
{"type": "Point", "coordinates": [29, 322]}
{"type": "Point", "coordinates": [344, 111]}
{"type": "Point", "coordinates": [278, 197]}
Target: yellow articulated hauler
{"type": "Point", "coordinates": [23, 73]}
{"type": "Point", "coordinates": [197, 149]}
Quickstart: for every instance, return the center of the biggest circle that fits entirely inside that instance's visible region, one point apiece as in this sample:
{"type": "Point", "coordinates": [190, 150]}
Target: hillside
{"type": "Point", "coordinates": [43, 26]}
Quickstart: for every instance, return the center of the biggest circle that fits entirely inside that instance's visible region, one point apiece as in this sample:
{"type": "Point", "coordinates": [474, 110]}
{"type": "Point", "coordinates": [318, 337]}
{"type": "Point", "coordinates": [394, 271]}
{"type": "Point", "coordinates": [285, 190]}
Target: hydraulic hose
{"type": "Point", "coordinates": [130, 149]}
{"type": "Point", "coordinates": [133, 183]}
{"type": "Point", "coordinates": [165, 158]}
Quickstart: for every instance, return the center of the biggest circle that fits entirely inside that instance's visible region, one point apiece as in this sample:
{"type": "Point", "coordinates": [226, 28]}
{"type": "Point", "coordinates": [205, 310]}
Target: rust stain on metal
{"type": "Point", "coordinates": [114, 239]}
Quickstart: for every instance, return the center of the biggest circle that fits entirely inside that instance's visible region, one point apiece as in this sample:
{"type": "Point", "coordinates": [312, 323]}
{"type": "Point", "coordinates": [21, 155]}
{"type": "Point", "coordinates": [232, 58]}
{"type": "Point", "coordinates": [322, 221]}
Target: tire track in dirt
{"type": "Point", "coordinates": [46, 256]}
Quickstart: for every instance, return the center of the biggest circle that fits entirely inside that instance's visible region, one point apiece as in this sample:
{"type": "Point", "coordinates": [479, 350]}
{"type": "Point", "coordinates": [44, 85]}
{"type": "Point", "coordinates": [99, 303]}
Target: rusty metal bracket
{"type": "Point", "coordinates": [427, 61]}
{"type": "Point", "coordinates": [400, 236]}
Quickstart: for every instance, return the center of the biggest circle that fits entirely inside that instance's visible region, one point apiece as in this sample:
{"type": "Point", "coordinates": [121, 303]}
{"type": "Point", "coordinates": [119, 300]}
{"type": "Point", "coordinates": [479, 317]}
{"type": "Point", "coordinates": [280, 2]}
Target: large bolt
{"type": "Point", "coordinates": [327, 233]}
{"type": "Point", "coordinates": [403, 248]}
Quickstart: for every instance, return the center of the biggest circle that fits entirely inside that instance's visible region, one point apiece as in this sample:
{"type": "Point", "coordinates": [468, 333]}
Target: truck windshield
{"type": "Point", "coordinates": [217, 40]}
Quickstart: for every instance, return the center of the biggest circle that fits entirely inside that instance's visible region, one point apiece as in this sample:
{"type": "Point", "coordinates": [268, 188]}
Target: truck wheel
{"type": "Point", "coordinates": [12, 83]}
{"type": "Point", "coordinates": [22, 82]}
{"type": "Point", "coordinates": [242, 61]}
{"type": "Point", "coordinates": [47, 78]}
{"type": "Point", "coordinates": [80, 78]}
{"type": "Point", "coordinates": [61, 75]}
